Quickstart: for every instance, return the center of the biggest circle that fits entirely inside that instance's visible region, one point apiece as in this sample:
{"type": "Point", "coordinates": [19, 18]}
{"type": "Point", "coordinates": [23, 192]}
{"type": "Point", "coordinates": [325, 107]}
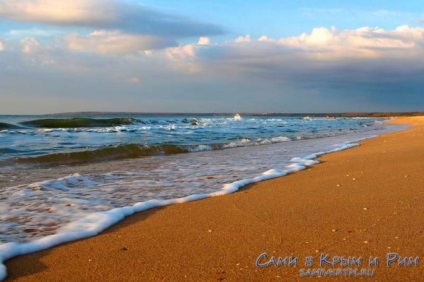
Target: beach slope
{"type": "Point", "coordinates": [363, 202]}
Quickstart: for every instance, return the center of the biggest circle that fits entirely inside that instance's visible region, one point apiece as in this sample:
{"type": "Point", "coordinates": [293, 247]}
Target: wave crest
{"type": "Point", "coordinates": [4, 125]}
{"type": "Point", "coordinates": [78, 122]}
{"type": "Point", "coordinates": [108, 153]}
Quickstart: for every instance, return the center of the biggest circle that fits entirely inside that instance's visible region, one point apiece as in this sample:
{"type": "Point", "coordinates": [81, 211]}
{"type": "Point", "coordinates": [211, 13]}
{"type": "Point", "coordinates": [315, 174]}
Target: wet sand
{"type": "Point", "coordinates": [363, 202]}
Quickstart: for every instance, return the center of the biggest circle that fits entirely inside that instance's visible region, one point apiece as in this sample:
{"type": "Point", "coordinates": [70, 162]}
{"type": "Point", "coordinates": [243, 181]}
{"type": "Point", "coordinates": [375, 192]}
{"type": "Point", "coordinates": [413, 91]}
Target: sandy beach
{"type": "Point", "coordinates": [358, 204]}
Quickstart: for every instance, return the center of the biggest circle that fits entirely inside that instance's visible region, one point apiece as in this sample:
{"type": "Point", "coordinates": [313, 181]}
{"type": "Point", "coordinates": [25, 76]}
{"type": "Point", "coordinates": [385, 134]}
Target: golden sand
{"type": "Point", "coordinates": [360, 203]}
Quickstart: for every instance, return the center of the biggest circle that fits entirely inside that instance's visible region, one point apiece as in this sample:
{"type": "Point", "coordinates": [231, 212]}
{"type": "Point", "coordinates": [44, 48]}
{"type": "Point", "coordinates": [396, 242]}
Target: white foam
{"type": "Point", "coordinates": [200, 148]}
{"type": "Point", "coordinates": [64, 183]}
{"type": "Point", "coordinates": [304, 161]}
{"type": "Point", "coordinates": [273, 140]}
{"type": "Point", "coordinates": [260, 141]}
{"type": "Point", "coordinates": [238, 143]}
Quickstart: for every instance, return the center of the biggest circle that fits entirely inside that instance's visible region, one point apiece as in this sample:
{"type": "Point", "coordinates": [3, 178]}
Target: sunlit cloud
{"type": "Point", "coordinates": [186, 52]}
{"type": "Point", "coordinates": [115, 42]}
{"type": "Point", "coordinates": [204, 40]}
{"type": "Point", "coordinates": [2, 45]}
{"type": "Point", "coordinates": [30, 45]}
{"type": "Point", "coordinates": [331, 43]}
{"type": "Point", "coordinates": [34, 54]}
{"type": "Point", "coordinates": [361, 42]}
{"type": "Point", "coordinates": [59, 12]}
{"type": "Point", "coordinates": [242, 39]}
{"type": "Point", "coordinates": [127, 16]}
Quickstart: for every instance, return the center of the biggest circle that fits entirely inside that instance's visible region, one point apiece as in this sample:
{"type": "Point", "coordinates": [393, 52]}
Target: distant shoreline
{"type": "Point", "coordinates": [335, 114]}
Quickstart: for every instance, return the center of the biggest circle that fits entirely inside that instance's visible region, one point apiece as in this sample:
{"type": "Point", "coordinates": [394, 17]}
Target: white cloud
{"type": "Point", "coordinates": [411, 34]}
{"type": "Point", "coordinates": [2, 45]}
{"type": "Point", "coordinates": [30, 45]}
{"type": "Point", "coordinates": [62, 12]}
{"type": "Point", "coordinates": [263, 38]}
{"type": "Point", "coordinates": [36, 54]}
{"type": "Point", "coordinates": [184, 58]}
{"type": "Point", "coordinates": [204, 40]}
{"type": "Point", "coordinates": [242, 39]}
{"type": "Point", "coordinates": [114, 42]}
{"type": "Point", "coordinates": [186, 52]}
{"type": "Point", "coordinates": [361, 42]}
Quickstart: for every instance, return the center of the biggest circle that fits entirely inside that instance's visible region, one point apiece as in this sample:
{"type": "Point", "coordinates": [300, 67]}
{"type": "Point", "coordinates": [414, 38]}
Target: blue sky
{"type": "Point", "coordinates": [289, 18]}
{"type": "Point", "coordinates": [211, 56]}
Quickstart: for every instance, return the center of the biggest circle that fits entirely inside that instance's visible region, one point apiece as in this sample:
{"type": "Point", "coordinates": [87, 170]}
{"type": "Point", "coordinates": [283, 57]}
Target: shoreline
{"type": "Point", "coordinates": [216, 218]}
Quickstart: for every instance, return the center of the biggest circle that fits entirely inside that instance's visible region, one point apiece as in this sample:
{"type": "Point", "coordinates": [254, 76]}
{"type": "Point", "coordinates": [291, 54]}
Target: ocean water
{"type": "Point", "coordinates": [66, 177]}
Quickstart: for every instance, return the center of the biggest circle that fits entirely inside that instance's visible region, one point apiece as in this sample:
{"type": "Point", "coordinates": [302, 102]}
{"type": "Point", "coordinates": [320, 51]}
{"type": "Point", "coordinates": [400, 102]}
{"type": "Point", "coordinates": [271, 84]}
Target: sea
{"type": "Point", "coordinates": [68, 176]}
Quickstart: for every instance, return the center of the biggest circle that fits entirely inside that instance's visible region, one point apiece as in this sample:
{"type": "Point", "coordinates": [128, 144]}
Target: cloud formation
{"type": "Point", "coordinates": [204, 40]}
{"type": "Point", "coordinates": [2, 45]}
{"type": "Point", "coordinates": [30, 45]}
{"type": "Point", "coordinates": [325, 69]}
{"type": "Point", "coordinates": [331, 44]}
{"type": "Point", "coordinates": [361, 42]}
{"type": "Point", "coordinates": [115, 42]}
{"type": "Point", "coordinates": [322, 46]}
{"type": "Point", "coordinates": [76, 12]}
{"type": "Point", "coordinates": [106, 14]}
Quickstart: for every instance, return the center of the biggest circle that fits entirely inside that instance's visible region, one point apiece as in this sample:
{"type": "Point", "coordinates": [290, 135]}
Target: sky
{"type": "Point", "coordinates": [211, 56]}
